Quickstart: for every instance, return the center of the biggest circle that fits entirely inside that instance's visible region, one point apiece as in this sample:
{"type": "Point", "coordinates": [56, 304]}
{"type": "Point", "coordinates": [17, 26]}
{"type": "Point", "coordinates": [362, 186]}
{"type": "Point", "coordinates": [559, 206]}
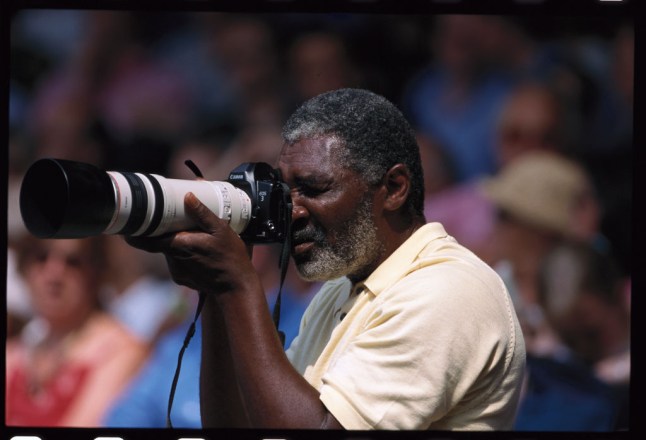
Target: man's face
{"type": "Point", "coordinates": [333, 226]}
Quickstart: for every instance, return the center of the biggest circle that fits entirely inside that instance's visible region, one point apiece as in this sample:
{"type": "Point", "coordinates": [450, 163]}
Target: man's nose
{"type": "Point", "coordinates": [298, 212]}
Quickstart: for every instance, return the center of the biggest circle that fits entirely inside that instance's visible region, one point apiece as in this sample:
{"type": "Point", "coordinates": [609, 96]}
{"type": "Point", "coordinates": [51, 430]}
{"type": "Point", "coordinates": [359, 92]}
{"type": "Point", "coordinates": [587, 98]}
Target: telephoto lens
{"type": "Point", "coordinates": [67, 199]}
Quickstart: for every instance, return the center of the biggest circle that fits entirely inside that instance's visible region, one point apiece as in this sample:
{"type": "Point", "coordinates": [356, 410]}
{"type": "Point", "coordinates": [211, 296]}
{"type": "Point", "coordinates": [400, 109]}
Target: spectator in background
{"type": "Point", "coordinates": [535, 117]}
{"type": "Point", "coordinates": [532, 118]}
{"type": "Point", "coordinates": [72, 359]}
{"type": "Point", "coordinates": [541, 199]}
{"type": "Point", "coordinates": [585, 387]}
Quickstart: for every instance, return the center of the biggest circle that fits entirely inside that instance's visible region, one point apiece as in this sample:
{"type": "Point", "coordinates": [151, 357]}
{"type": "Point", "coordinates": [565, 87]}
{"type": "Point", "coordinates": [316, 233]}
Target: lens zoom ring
{"type": "Point", "coordinates": [139, 204]}
{"type": "Point", "coordinates": [159, 206]}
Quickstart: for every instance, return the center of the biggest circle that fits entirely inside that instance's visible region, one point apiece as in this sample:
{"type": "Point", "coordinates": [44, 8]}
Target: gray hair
{"type": "Point", "coordinates": [374, 133]}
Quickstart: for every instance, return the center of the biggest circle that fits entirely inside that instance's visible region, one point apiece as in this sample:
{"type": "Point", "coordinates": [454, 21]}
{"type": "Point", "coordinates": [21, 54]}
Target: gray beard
{"type": "Point", "coordinates": [356, 249]}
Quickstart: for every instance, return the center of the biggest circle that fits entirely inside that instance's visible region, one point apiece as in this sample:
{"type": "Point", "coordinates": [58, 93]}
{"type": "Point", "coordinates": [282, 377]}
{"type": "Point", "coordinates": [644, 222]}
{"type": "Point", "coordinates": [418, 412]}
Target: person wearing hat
{"type": "Point", "coordinates": [541, 199]}
{"type": "Point", "coordinates": [545, 201]}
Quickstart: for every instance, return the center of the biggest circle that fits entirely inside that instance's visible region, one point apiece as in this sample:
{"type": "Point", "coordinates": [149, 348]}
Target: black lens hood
{"type": "Point", "coordinates": [66, 199]}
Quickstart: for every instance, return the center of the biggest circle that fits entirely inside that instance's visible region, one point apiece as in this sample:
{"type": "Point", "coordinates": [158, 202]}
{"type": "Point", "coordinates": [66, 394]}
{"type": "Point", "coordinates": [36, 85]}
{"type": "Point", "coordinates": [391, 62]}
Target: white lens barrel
{"type": "Point", "coordinates": [225, 200]}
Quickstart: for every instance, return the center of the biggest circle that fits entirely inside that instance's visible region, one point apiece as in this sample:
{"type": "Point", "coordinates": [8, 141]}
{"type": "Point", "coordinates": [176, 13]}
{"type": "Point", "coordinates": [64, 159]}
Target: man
{"type": "Point", "coordinates": [411, 330]}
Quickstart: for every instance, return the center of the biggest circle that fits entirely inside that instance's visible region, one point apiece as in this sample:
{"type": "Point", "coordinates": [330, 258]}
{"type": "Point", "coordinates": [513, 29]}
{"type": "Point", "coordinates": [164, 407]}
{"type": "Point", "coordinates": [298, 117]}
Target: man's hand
{"type": "Point", "coordinates": [244, 368]}
{"type": "Point", "coordinates": [213, 259]}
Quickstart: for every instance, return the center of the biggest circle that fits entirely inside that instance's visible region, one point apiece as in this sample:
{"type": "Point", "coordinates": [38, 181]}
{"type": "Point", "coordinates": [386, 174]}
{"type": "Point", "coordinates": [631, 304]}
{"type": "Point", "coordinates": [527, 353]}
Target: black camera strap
{"type": "Point", "coordinates": [283, 264]}
{"type": "Point", "coordinates": [283, 261]}
{"type": "Point", "coordinates": [187, 340]}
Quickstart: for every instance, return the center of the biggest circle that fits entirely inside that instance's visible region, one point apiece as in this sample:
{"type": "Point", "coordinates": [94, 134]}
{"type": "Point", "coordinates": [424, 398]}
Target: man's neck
{"type": "Point", "coordinates": [391, 244]}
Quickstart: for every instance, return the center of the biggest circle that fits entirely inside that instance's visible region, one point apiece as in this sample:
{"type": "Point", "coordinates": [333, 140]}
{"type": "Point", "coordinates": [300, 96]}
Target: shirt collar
{"type": "Point", "coordinates": [400, 262]}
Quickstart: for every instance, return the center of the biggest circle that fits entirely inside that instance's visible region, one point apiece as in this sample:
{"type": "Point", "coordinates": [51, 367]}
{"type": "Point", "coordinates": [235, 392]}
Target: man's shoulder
{"type": "Point", "coordinates": [444, 269]}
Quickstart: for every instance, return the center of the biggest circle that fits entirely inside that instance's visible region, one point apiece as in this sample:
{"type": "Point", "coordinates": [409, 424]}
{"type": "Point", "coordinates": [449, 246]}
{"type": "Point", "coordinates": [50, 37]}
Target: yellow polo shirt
{"type": "Point", "coordinates": [430, 340]}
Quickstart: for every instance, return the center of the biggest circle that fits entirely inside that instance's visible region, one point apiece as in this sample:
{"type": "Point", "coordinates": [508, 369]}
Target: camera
{"type": "Point", "coordinates": [68, 199]}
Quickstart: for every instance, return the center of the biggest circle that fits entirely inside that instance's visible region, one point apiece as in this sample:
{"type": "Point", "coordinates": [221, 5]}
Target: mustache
{"type": "Point", "coordinates": [310, 233]}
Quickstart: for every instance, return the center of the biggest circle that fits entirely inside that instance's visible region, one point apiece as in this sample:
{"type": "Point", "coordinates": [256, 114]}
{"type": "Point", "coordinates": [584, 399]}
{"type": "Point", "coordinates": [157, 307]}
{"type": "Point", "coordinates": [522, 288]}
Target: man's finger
{"type": "Point", "coordinates": [201, 214]}
{"type": "Point", "coordinates": [150, 244]}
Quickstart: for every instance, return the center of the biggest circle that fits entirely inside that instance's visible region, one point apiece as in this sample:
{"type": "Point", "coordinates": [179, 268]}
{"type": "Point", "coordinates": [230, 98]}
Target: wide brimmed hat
{"type": "Point", "coordinates": [539, 188]}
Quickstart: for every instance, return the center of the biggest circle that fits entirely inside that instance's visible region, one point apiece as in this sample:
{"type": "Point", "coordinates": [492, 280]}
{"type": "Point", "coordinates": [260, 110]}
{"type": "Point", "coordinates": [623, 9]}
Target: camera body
{"type": "Point", "coordinates": [270, 200]}
{"type": "Point", "coordinates": [67, 199]}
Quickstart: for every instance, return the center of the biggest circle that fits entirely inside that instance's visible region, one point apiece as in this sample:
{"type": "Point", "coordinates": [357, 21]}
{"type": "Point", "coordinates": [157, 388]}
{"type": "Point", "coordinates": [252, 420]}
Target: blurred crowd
{"type": "Point", "coordinates": [526, 134]}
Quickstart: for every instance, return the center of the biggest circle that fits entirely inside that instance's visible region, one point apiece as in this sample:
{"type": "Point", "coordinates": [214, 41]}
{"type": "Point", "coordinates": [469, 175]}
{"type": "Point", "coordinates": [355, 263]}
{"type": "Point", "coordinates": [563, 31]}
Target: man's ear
{"type": "Point", "coordinates": [397, 185]}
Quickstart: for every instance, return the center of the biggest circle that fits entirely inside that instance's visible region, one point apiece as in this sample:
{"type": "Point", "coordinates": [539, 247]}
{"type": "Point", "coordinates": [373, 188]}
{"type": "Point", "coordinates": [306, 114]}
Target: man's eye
{"type": "Point", "coordinates": [309, 191]}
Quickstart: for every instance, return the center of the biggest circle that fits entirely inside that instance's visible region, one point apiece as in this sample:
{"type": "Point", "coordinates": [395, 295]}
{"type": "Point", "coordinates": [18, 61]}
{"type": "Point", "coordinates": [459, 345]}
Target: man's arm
{"type": "Point", "coordinates": [221, 404]}
{"type": "Point", "coordinates": [241, 349]}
